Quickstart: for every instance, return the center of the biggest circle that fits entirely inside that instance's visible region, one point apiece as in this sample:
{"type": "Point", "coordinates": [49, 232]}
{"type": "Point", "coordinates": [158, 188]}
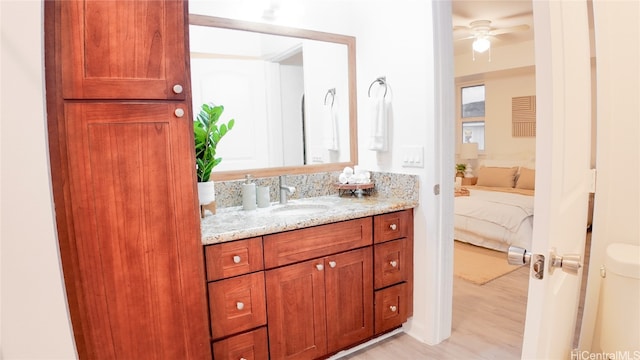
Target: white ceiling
{"type": "Point", "coordinates": [501, 14]}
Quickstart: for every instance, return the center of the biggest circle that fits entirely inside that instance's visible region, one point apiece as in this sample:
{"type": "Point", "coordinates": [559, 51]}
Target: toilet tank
{"type": "Point", "coordinates": [620, 299]}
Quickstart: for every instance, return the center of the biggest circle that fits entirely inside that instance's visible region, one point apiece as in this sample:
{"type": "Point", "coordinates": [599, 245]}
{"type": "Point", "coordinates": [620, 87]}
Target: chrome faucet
{"type": "Point", "coordinates": [284, 190]}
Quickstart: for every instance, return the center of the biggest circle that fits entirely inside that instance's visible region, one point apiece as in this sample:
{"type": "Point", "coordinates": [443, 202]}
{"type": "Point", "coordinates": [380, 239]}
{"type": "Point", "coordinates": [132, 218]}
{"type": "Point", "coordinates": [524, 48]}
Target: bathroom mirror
{"type": "Point", "coordinates": [292, 93]}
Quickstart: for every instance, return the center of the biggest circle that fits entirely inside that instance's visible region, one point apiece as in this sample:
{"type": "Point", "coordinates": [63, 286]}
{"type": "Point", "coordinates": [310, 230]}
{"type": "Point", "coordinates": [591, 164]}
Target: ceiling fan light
{"type": "Point", "coordinates": [481, 45]}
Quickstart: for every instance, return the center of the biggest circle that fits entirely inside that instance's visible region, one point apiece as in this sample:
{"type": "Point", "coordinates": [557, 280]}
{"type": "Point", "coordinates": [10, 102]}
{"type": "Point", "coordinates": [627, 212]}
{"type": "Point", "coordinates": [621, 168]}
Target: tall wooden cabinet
{"type": "Point", "coordinates": [120, 134]}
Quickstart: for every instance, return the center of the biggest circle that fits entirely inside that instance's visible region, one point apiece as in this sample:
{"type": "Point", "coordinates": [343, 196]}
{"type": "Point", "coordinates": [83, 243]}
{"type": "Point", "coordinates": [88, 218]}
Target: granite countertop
{"type": "Point", "coordinates": [233, 223]}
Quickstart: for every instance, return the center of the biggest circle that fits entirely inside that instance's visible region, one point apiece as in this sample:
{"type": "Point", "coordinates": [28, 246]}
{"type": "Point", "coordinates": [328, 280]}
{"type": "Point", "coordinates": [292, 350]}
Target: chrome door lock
{"type": "Point", "coordinates": [519, 256]}
{"type": "Point", "coordinates": [570, 264]}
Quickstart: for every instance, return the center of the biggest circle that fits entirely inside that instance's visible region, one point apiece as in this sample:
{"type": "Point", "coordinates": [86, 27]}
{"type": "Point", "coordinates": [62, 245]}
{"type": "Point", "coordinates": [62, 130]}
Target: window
{"type": "Point", "coordinates": [472, 114]}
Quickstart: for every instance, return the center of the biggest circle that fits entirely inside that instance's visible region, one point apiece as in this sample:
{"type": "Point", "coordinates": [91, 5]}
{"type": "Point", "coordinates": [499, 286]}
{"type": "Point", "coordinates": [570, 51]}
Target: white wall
{"type": "Point", "coordinates": [510, 73]}
{"type": "Point", "coordinates": [500, 88]}
{"type": "Point", "coordinates": [34, 319]}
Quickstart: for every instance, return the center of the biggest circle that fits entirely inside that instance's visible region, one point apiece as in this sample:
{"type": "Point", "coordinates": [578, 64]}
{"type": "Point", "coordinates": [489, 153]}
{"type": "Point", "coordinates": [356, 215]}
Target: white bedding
{"type": "Point", "coordinates": [494, 219]}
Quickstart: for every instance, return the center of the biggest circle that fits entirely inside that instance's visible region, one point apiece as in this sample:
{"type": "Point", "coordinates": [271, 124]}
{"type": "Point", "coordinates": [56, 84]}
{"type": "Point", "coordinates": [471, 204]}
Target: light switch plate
{"type": "Point", "coordinates": [413, 156]}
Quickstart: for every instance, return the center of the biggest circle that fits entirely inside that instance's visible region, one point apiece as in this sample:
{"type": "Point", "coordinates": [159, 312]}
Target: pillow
{"type": "Point", "coordinates": [526, 179]}
{"type": "Point", "coordinates": [497, 176]}
{"type": "Point", "coordinates": [500, 163]}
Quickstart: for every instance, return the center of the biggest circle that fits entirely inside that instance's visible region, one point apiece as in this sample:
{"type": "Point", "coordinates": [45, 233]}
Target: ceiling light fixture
{"type": "Point", "coordinates": [481, 44]}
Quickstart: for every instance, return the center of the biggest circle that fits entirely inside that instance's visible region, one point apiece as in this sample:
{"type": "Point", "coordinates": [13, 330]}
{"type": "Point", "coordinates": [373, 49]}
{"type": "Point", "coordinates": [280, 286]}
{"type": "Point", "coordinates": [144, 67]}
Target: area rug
{"type": "Point", "coordinates": [479, 265]}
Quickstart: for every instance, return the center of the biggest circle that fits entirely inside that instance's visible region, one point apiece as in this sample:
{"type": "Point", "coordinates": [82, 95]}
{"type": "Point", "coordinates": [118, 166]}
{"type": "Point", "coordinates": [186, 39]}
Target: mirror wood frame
{"type": "Point", "coordinates": [349, 41]}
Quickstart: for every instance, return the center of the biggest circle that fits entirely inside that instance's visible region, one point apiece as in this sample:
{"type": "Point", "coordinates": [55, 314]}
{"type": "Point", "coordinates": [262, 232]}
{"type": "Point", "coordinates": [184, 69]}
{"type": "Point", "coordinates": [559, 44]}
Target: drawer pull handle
{"type": "Point", "coordinates": [320, 267]}
{"type": "Point", "coordinates": [393, 263]}
{"type": "Point", "coordinates": [393, 308]}
{"type": "Point", "coordinates": [243, 358]}
{"type": "Point", "coordinates": [332, 264]}
{"type": "Point", "coordinates": [177, 88]}
{"type": "Point", "coordinates": [236, 259]}
{"type": "Point", "coordinates": [393, 226]}
{"type": "Point", "coordinates": [239, 305]}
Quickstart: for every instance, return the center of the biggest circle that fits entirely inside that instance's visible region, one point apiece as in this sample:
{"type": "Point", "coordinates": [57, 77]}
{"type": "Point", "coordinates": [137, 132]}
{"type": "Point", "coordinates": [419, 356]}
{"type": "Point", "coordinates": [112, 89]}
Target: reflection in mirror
{"type": "Point", "coordinates": [290, 91]}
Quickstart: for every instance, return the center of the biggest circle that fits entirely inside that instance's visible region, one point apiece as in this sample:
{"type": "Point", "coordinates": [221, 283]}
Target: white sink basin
{"type": "Point", "coordinates": [298, 209]}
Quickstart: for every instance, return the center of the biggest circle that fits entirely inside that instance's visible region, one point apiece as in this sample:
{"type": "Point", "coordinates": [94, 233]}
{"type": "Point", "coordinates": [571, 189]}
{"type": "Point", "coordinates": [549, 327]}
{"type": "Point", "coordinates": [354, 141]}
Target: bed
{"type": "Point", "coordinates": [498, 210]}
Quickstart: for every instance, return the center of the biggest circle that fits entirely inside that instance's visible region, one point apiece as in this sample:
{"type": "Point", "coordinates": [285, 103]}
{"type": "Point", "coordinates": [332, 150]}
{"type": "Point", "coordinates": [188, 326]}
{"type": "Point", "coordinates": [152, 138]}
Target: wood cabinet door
{"type": "Point", "coordinates": [296, 311]}
{"type": "Point", "coordinates": [349, 297]}
{"type": "Point", "coordinates": [123, 49]}
{"type": "Point", "coordinates": [135, 239]}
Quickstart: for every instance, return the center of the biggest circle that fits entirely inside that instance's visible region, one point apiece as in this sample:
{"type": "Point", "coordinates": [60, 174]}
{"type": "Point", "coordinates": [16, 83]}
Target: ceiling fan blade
{"type": "Point", "coordinates": [460, 28]}
{"type": "Point", "coordinates": [464, 38]}
{"type": "Point", "coordinates": [511, 29]}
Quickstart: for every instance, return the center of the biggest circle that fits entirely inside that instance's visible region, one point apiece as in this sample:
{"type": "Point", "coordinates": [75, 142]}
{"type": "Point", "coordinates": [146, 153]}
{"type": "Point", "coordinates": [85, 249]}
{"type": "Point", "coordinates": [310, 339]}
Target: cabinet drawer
{"type": "Point", "coordinates": [299, 245]}
{"type": "Point", "coordinates": [250, 346]}
{"type": "Point", "coordinates": [233, 258]}
{"type": "Point", "coordinates": [390, 263]}
{"type": "Point", "coordinates": [237, 304]}
{"type": "Point", "coordinates": [392, 226]}
{"type": "Point", "coordinates": [391, 307]}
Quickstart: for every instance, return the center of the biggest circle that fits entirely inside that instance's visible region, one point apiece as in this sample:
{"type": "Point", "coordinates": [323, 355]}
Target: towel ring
{"type": "Point", "coordinates": [331, 91]}
{"type": "Point", "coordinates": [382, 80]}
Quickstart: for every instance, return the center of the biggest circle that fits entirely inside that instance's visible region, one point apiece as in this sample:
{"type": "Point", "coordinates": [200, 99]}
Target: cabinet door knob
{"type": "Point", "coordinates": [393, 308]}
{"type": "Point", "coordinates": [177, 88]}
{"type": "Point", "coordinates": [179, 112]}
{"type": "Point", "coordinates": [239, 305]}
{"type": "Point", "coordinates": [242, 358]}
{"type": "Point", "coordinates": [393, 263]}
{"type": "Point", "coordinates": [332, 264]}
{"type": "Point", "coordinates": [320, 267]}
{"type": "Point", "coordinates": [236, 259]}
{"type": "Point", "coordinates": [393, 226]}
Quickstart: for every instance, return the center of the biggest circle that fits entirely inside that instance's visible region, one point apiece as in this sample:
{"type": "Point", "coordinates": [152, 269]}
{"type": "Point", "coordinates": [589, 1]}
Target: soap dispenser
{"type": "Point", "coordinates": [248, 194]}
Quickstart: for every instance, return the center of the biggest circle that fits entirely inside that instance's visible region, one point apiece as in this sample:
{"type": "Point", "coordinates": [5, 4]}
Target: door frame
{"type": "Point", "coordinates": [443, 57]}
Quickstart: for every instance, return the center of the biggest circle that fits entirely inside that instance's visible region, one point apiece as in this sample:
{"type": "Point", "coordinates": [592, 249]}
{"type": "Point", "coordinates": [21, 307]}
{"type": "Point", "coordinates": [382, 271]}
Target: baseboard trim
{"type": "Point", "coordinates": [366, 344]}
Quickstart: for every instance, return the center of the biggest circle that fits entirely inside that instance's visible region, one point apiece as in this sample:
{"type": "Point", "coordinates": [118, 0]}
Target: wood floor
{"type": "Point", "coordinates": [488, 323]}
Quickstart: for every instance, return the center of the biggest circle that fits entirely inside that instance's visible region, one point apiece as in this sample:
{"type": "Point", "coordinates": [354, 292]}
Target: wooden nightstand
{"type": "Point", "coordinates": [469, 181]}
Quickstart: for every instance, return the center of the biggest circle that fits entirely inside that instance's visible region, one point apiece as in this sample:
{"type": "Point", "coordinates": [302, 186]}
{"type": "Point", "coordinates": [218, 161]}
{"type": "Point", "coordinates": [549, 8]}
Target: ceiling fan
{"type": "Point", "coordinates": [482, 32]}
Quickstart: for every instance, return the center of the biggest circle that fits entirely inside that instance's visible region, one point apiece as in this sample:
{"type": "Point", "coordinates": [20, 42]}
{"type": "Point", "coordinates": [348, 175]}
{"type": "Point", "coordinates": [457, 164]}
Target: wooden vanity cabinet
{"type": "Point", "coordinates": [325, 288]}
{"type": "Point", "coordinates": [320, 306]}
{"type": "Point", "coordinates": [324, 304]}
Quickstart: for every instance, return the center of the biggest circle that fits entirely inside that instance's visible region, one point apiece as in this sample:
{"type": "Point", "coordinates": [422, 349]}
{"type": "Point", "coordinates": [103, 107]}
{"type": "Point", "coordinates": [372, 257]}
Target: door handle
{"type": "Point", "coordinates": [570, 263]}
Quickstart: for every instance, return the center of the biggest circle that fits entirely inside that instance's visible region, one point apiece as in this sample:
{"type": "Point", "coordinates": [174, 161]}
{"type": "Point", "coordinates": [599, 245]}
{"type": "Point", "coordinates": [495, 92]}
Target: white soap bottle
{"type": "Point", "coordinates": [248, 194]}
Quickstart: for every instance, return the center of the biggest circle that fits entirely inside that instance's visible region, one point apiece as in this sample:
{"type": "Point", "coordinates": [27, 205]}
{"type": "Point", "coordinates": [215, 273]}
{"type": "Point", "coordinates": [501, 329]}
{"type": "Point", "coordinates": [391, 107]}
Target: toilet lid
{"type": "Point", "coordinates": [623, 259]}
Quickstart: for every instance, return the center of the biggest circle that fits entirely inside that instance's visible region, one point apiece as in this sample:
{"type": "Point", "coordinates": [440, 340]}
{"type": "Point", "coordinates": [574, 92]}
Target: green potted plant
{"type": "Point", "coordinates": [207, 134]}
{"type": "Point", "coordinates": [460, 169]}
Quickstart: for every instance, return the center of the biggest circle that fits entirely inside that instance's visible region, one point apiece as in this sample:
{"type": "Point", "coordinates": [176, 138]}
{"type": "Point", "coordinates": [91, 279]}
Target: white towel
{"type": "Point", "coordinates": [378, 141]}
{"type": "Point", "coordinates": [333, 142]}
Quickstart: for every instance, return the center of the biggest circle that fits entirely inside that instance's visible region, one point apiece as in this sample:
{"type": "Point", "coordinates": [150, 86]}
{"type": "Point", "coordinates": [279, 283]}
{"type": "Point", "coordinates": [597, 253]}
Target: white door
{"type": "Point", "coordinates": [563, 141]}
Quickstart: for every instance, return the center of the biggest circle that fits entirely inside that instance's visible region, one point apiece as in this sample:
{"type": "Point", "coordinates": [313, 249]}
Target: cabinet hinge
{"type": "Point", "coordinates": [592, 186]}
